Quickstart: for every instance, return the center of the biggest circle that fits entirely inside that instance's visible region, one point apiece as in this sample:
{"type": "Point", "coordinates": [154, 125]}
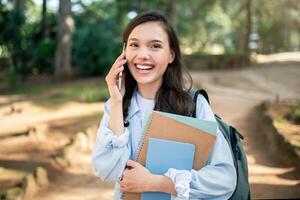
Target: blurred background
{"type": "Point", "coordinates": [54, 55]}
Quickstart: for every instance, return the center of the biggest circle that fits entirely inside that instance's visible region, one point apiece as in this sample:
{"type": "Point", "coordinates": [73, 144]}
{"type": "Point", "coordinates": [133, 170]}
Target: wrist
{"type": "Point", "coordinates": [153, 183]}
{"type": "Point", "coordinates": [116, 102]}
{"type": "Point", "coordinates": [116, 118]}
{"type": "Point", "coordinates": [161, 183]}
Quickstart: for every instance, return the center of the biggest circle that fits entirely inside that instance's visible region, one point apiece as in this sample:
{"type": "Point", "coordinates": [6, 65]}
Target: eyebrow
{"type": "Point", "coordinates": [155, 40]}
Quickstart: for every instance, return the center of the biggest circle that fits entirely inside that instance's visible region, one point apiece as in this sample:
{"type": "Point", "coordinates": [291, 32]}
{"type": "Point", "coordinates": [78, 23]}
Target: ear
{"type": "Point", "coordinates": [172, 57]}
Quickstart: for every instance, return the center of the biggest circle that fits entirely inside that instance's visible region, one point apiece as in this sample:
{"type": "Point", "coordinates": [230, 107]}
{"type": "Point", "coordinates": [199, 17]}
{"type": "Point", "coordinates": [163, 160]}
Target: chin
{"type": "Point", "coordinates": [143, 81]}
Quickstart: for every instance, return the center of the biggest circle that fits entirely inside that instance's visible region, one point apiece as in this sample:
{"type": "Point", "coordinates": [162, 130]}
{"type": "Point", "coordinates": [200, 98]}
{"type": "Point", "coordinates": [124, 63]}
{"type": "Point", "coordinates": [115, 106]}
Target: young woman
{"type": "Point", "coordinates": [153, 79]}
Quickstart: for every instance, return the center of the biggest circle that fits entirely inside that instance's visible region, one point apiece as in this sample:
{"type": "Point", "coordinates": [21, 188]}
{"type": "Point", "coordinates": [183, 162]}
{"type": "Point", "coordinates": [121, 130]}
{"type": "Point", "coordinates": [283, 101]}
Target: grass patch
{"type": "Point", "coordinates": [82, 93]}
{"type": "Point", "coordinates": [286, 111]}
{"type": "Point", "coordinates": [32, 89]}
{"type": "Point", "coordinates": [294, 114]}
{"type": "Point", "coordinates": [286, 117]}
{"type": "Point", "coordinates": [53, 94]}
{"type": "Point", "coordinates": [91, 93]}
{"type": "Point", "coordinates": [54, 100]}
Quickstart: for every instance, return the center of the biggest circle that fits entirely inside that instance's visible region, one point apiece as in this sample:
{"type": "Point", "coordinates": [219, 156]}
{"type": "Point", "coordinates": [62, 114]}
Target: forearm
{"type": "Point", "coordinates": [116, 118]}
{"type": "Point", "coordinates": [110, 152]}
{"type": "Point", "coordinates": [160, 183]}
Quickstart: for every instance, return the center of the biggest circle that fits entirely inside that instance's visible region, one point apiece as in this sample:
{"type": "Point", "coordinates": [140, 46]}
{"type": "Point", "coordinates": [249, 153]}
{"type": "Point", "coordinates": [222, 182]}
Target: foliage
{"type": "Point", "coordinates": [43, 59]}
{"type": "Point", "coordinates": [96, 40]}
{"type": "Point", "coordinates": [43, 49]}
{"type": "Point", "coordinates": [95, 47]}
{"type": "Point", "coordinates": [28, 53]}
{"type": "Point", "coordinates": [204, 27]}
{"type": "Point", "coordinates": [12, 77]}
{"type": "Point", "coordinates": [294, 113]}
{"type": "Point", "coordinates": [224, 61]}
{"type": "Point", "coordinates": [4, 18]}
{"type": "Point", "coordinates": [288, 111]}
{"type": "Point", "coordinates": [89, 93]}
{"type": "Point", "coordinates": [281, 19]}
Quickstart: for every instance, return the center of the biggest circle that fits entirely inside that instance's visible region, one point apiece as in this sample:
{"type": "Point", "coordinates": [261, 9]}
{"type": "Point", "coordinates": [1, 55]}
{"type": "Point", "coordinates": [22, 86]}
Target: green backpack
{"type": "Point", "coordinates": [233, 137]}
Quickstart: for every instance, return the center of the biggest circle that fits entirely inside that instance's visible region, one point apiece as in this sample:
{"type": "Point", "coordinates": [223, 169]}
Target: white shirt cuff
{"type": "Point", "coordinates": [181, 180]}
{"type": "Point", "coordinates": [110, 140]}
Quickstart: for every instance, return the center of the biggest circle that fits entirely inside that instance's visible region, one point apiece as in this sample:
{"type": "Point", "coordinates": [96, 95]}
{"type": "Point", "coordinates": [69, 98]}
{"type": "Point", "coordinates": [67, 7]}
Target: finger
{"type": "Point", "coordinates": [118, 63]}
{"type": "Point", "coordinates": [131, 163]}
{"type": "Point", "coordinates": [122, 186]}
{"type": "Point", "coordinates": [114, 75]}
{"type": "Point", "coordinates": [116, 71]}
{"type": "Point", "coordinates": [124, 189]}
{"type": "Point", "coordinates": [125, 174]}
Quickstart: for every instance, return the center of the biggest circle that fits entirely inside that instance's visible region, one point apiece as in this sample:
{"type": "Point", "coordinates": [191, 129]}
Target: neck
{"type": "Point", "coordinates": [149, 91]}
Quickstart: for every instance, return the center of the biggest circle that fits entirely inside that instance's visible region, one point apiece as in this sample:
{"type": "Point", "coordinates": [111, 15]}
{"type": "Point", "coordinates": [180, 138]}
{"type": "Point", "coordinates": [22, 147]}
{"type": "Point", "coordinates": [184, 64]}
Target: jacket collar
{"type": "Point", "coordinates": [133, 108]}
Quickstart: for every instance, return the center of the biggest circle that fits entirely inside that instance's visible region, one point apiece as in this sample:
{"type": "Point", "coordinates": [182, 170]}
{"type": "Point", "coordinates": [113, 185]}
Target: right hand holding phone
{"type": "Point", "coordinates": [112, 79]}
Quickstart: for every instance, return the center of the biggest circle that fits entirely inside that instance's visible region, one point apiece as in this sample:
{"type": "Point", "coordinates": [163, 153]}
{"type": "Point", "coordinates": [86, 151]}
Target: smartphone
{"type": "Point", "coordinates": [120, 74]}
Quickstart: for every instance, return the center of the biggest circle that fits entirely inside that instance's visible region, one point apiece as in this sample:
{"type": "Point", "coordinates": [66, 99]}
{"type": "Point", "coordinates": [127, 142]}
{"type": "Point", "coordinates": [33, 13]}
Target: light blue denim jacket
{"type": "Point", "coordinates": [110, 154]}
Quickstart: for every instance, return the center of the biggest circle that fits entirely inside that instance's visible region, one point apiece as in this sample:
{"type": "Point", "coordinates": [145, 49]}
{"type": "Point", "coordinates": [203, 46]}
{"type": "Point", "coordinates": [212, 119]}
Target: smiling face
{"type": "Point", "coordinates": [148, 53]}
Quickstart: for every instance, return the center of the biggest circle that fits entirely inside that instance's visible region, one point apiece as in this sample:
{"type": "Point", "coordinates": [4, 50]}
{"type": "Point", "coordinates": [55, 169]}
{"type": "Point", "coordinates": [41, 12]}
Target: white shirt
{"type": "Point", "coordinates": [145, 105]}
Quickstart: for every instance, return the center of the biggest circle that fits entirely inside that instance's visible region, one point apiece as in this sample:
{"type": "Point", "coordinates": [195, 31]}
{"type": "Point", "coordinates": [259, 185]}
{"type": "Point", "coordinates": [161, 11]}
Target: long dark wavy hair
{"type": "Point", "coordinates": [172, 96]}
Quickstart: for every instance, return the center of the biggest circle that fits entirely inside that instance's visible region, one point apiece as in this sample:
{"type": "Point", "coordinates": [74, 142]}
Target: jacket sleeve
{"type": "Point", "coordinates": [110, 152]}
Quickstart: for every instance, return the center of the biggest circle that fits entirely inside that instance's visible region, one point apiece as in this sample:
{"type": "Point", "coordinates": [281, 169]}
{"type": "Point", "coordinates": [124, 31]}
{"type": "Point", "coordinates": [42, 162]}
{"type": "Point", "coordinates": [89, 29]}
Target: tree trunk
{"type": "Point", "coordinates": [171, 12]}
{"type": "Point", "coordinates": [44, 31]}
{"type": "Point", "coordinates": [18, 21]}
{"type": "Point", "coordinates": [64, 33]}
{"type": "Point", "coordinates": [19, 5]}
{"type": "Point", "coordinates": [245, 40]}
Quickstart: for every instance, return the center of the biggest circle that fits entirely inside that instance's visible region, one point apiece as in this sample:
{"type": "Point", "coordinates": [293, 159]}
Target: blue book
{"type": "Point", "coordinates": [165, 154]}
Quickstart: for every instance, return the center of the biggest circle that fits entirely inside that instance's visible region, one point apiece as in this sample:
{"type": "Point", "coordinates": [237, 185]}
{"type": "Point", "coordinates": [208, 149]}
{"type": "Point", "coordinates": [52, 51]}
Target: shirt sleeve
{"type": "Point", "coordinates": [110, 152]}
{"type": "Point", "coordinates": [217, 180]}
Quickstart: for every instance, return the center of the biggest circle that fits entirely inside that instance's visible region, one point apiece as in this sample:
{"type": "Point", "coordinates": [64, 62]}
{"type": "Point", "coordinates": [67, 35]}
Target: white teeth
{"type": "Point", "coordinates": [144, 67]}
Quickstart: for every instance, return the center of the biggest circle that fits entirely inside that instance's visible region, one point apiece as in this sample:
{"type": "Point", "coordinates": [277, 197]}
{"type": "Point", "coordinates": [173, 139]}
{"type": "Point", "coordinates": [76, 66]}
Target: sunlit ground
{"type": "Point", "coordinates": [278, 57]}
{"type": "Point", "coordinates": [262, 174]}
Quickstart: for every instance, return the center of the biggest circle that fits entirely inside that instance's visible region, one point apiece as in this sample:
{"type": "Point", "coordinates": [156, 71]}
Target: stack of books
{"type": "Point", "coordinates": [173, 141]}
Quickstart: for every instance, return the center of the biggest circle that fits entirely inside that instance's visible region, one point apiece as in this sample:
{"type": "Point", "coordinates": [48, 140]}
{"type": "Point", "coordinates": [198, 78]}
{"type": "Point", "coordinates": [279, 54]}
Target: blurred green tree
{"type": "Point", "coordinates": [97, 40]}
{"type": "Point", "coordinates": [30, 33]}
{"type": "Point", "coordinates": [278, 25]}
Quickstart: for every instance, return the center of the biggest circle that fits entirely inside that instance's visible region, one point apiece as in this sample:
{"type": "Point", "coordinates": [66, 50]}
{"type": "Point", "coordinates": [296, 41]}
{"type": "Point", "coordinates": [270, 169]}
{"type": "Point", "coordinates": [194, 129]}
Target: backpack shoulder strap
{"type": "Point", "coordinates": [203, 93]}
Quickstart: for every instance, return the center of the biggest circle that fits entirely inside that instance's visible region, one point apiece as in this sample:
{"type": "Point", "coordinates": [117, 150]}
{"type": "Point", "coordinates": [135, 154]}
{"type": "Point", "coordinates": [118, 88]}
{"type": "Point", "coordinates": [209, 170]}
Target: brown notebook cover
{"type": "Point", "coordinates": [163, 127]}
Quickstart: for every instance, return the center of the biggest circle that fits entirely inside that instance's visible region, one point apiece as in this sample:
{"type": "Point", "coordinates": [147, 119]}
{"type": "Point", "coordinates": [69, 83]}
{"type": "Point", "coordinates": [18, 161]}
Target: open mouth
{"type": "Point", "coordinates": [144, 67]}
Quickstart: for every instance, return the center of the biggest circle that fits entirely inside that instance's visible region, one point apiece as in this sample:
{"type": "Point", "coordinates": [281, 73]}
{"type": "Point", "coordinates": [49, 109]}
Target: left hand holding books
{"type": "Point", "coordinates": [136, 178]}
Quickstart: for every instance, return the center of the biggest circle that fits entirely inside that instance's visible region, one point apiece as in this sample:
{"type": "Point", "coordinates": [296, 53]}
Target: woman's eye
{"type": "Point", "coordinates": [133, 45]}
{"type": "Point", "coordinates": [156, 46]}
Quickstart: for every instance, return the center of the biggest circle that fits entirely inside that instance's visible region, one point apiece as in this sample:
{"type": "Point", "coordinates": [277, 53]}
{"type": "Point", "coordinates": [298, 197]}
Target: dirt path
{"type": "Point", "coordinates": [235, 96]}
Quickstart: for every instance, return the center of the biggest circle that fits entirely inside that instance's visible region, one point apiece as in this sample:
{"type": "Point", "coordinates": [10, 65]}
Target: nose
{"type": "Point", "coordinates": [143, 54]}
